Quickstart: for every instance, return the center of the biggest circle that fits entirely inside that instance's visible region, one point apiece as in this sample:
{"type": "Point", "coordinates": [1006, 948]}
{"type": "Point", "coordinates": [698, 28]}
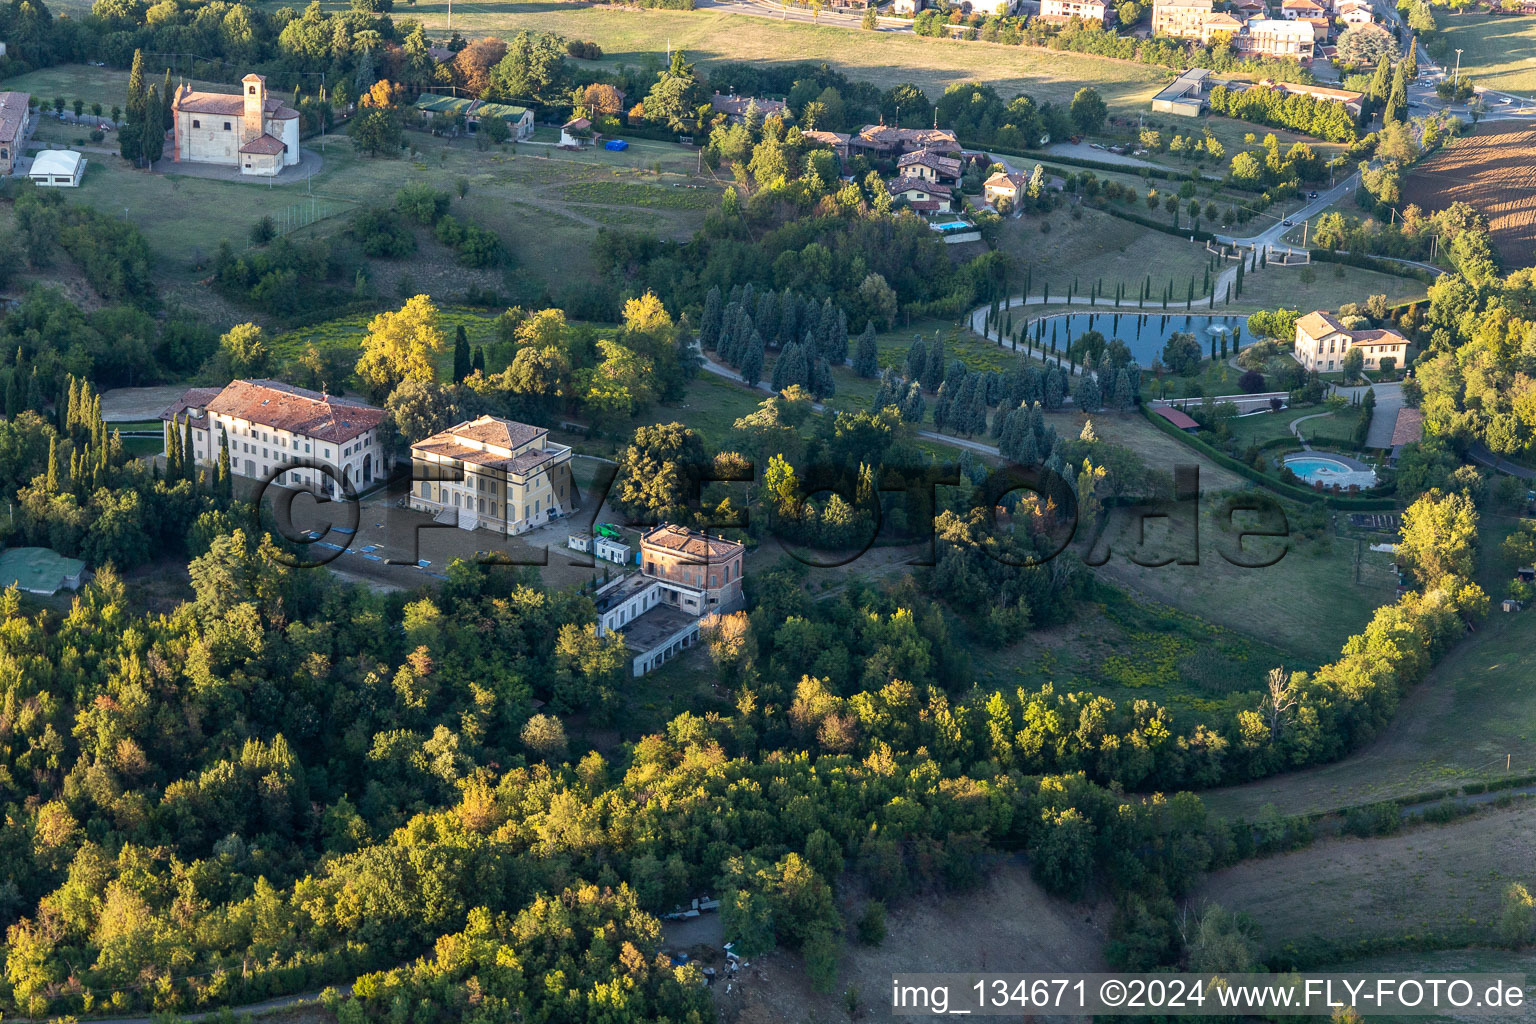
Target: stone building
{"type": "Point", "coordinates": [492, 472]}
{"type": "Point", "coordinates": [270, 425]}
{"type": "Point", "coordinates": [252, 131]}
{"type": "Point", "coordinates": [1322, 341]}
{"type": "Point", "coordinates": [13, 125]}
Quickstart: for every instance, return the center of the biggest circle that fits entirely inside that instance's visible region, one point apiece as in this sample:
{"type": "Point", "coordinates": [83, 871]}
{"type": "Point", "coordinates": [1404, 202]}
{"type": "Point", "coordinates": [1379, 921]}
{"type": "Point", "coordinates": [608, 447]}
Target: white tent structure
{"type": "Point", "coordinates": [57, 168]}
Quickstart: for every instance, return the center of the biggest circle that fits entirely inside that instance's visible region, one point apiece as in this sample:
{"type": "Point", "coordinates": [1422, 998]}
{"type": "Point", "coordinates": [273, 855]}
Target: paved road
{"type": "Point", "coordinates": [1481, 454]}
{"type": "Point", "coordinates": [1272, 234]}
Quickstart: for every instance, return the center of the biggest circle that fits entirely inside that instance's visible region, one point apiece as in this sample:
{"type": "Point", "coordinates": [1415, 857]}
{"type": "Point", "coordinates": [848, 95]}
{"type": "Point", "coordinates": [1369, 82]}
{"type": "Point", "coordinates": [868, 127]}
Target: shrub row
{"type": "Point", "coordinates": [1373, 263]}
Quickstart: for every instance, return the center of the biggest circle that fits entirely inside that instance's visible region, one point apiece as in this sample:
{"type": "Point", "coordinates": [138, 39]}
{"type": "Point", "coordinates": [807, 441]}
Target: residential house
{"type": "Point", "coordinates": [1322, 340]}
{"type": "Point", "coordinates": [1291, 10]}
{"type": "Point", "coordinates": [1060, 11]}
{"type": "Point", "coordinates": [1353, 12]}
{"type": "Point", "coordinates": [881, 142]}
{"type": "Point", "coordinates": [250, 130]}
{"type": "Point", "coordinates": [837, 142]}
{"type": "Point", "coordinates": [1182, 19]}
{"type": "Point", "coordinates": [932, 166]}
{"type": "Point", "coordinates": [907, 7]}
{"type": "Point", "coordinates": [13, 126]}
{"type": "Point", "coordinates": [996, 8]}
{"type": "Point", "coordinates": [735, 107]}
{"type": "Point", "coordinates": [920, 195]}
{"type": "Point", "coordinates": [269, 426]}
{"type": "Point", "coordinates": [1277, 37]}
{"type": "Point", "coordinates": [493, 472]}
{"type": "Point", "coordinates": [1012, 186]}
{"type": "Point", "coordinates": [1220, 23]}
{"type": "Point", "coordinates": [577, 132]}
{"type": "Point", "coordinates": [684, 576]}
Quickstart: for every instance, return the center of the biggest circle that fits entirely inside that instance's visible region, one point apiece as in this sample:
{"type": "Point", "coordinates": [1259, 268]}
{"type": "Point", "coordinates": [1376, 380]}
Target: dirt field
{"type": "Point", "coordinates": [1437, 879]}
{"type": "Point", "coordinates": [1008, 924]}
{"type": "Point", "coordinates": [1494, 169]}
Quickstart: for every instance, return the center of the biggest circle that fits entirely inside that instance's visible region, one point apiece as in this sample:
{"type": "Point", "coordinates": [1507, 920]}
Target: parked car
{"type": "Point", "coordinates": [1311, 195]}
{"type": "Point", "coordinates": [1289, 223]}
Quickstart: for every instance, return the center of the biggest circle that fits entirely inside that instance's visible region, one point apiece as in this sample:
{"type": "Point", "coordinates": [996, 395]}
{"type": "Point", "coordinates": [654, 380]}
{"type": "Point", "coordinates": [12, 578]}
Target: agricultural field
{"type": "Point", "coordinates": [1493, 167]}
{"type": "Point", "coordinates": [1499, 52]}
{"type": "Point", "coordinates": [1425, 885]}
{"type": "Point", "coordinates": [886, 58]}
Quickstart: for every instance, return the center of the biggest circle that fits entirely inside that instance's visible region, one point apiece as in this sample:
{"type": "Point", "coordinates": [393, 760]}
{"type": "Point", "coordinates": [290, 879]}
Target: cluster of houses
{"type": "Point", "coordinates": [486, 473]}
{"type": "Point", "coordinates": [1304, 29]}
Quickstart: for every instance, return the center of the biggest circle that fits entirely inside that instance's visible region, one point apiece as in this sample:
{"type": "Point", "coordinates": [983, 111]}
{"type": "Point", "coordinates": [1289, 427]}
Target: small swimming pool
{"type": "Point", "coordinates": [1331, 472]}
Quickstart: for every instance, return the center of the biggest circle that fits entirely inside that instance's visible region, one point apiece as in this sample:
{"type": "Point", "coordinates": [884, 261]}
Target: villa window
{"type": "Point", "coordinates": [196, 123]}
{"type": "Point", "coordinates": [226, 126]}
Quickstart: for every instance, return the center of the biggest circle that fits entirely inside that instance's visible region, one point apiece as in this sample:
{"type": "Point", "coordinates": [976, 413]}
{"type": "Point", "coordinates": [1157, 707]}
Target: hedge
{"type": "Point", "coordinates": [1280, 487]}
{"type": "Point", "coordinates": [1148, 222]}
{"type": "Point", "coordinates": [1373, 263]}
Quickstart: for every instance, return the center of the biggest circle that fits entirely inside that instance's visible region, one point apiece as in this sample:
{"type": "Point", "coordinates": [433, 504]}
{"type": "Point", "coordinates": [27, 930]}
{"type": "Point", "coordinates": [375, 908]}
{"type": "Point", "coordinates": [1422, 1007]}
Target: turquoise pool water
{"type": "Point", "coordinates": [1319, 469]}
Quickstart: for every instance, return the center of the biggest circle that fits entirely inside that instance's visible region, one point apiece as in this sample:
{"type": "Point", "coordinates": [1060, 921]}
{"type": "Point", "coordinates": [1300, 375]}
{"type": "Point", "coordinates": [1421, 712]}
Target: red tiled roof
{"type": "Point", "coordinates": [896, 186]}
{"type": "Point", "coordinates": [285, 407]}
{"type": "Point", "coordinates": [1409, 426]}
{"type": "Point", "coordinates": [264, 145]}
{"type": "Point", "coordinates": [196, 398]}
{"type": "Point", "coordinates": [736, 106]}
{"type": "Point", "coordinates": [925, 205]}
{"type": "Point", "coordinates": [684, 541]}
{"type": "Point", "coordinates": [1377, 338]}
{"type": "Point", "coordinates": [1175, 417]}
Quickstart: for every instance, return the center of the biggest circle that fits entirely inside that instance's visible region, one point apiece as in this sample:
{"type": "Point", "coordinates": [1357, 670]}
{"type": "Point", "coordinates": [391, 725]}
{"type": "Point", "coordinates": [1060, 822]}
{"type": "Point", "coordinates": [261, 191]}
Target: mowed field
{"type": "Point", "coordinates": [1474, 714]}
{"type": "Point", "coordinates": [1499, 51]}
{"type": "Point", "coordinates": [1429, 884]}
{"type": "Point", "coordinates": [1493, 168]}
{"type": "Point", "coordinates": [711, 37]}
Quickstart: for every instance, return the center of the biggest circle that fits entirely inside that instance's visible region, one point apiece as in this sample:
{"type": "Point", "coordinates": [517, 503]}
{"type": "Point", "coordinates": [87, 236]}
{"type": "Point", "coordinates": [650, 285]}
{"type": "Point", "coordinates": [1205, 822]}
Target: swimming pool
{"type": "Point", "coordinates": [1330, 472]}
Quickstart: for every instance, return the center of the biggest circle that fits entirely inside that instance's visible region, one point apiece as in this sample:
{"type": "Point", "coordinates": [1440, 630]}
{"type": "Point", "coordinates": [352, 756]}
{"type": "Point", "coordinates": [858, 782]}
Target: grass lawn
{"type": "Point", "coordinates": [1500, 52]}
{"type": "Point", "coordinates": [107, 86]}
{"type": "Point", "coordinates": [1126, 648]}
{"type": "Point", "coordinates": [1437, 883]}
{"type": "Point", "coordinates": [1476, 707]}
{"type": "Point", "coordinates": [1330, 286]}
{"type": "Point", "coordinates": [1099, 246]}
{"type": "Point", "coordinates": [1334, 428]}
{"type": "Point", "coordinates": [886, 59]}
{"type": "Point", "coordinates": [1306, 603]}
{"type": "Point", "coordinates": [535, 198]}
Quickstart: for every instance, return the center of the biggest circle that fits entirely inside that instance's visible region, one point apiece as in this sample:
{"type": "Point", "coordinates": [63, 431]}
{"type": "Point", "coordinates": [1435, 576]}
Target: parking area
{"type": "Point", "coordinates": [387, 545]}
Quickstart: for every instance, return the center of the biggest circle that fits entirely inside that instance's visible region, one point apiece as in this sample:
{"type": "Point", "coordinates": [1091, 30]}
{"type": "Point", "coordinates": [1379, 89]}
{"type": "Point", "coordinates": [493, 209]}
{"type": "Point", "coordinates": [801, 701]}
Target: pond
{"type": "Point", "coordinates": [1144, 333]}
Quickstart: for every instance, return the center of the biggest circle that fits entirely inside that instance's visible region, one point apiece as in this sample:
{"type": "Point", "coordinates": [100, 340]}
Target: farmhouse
{"type": "Point", "coordinates": [252, 131]}
{"type": "Point", "coordinates": [1291, 10]}
{"type": "Point", "coordinates": [684, 575]}
{"type": "Point", "coordinates": [922, 196]}
{"type": "Point", "coordinates": [878, 141]}
{"type": "Point", "coordinates": [13, 125]}
{"type": "Point", "coordinates": [576, 132]}
{"type": "Point", "coordinates": [1010, 187]}
{"type": "Point", "coordinates": [493, 472]}
{"type": "Point", "coordinates": [1065, 10]}
{"type": "Point", "coordinates": [735, 107]}
{"type": "Point", "coordinates": [1355, 12]}
{"type": "Point", "coordinates": [57, 168]}
{"type": "Point", "coordinates": [1322, 341]}
{"type": "Point", "coordinates": [930, 165]}
{"type": "Point", "coordinates": [269, 425]}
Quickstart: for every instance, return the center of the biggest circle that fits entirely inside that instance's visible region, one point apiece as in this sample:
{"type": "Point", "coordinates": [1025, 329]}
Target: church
{"type": "Point", "coordinates": [252, 131]}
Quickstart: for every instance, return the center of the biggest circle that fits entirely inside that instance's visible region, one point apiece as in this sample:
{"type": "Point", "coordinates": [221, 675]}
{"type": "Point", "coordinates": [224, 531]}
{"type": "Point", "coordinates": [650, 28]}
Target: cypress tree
{"type": "Point", "coordinates": [752, 361]}
{"type": "Point", "coordinates": [461, 356]}
{"type": "Point", "coordinates": [866, 357]}
{"type": "Point", "coordinates": [224, 482]}
{"type": "Point", "coordinates": [478, 362]}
